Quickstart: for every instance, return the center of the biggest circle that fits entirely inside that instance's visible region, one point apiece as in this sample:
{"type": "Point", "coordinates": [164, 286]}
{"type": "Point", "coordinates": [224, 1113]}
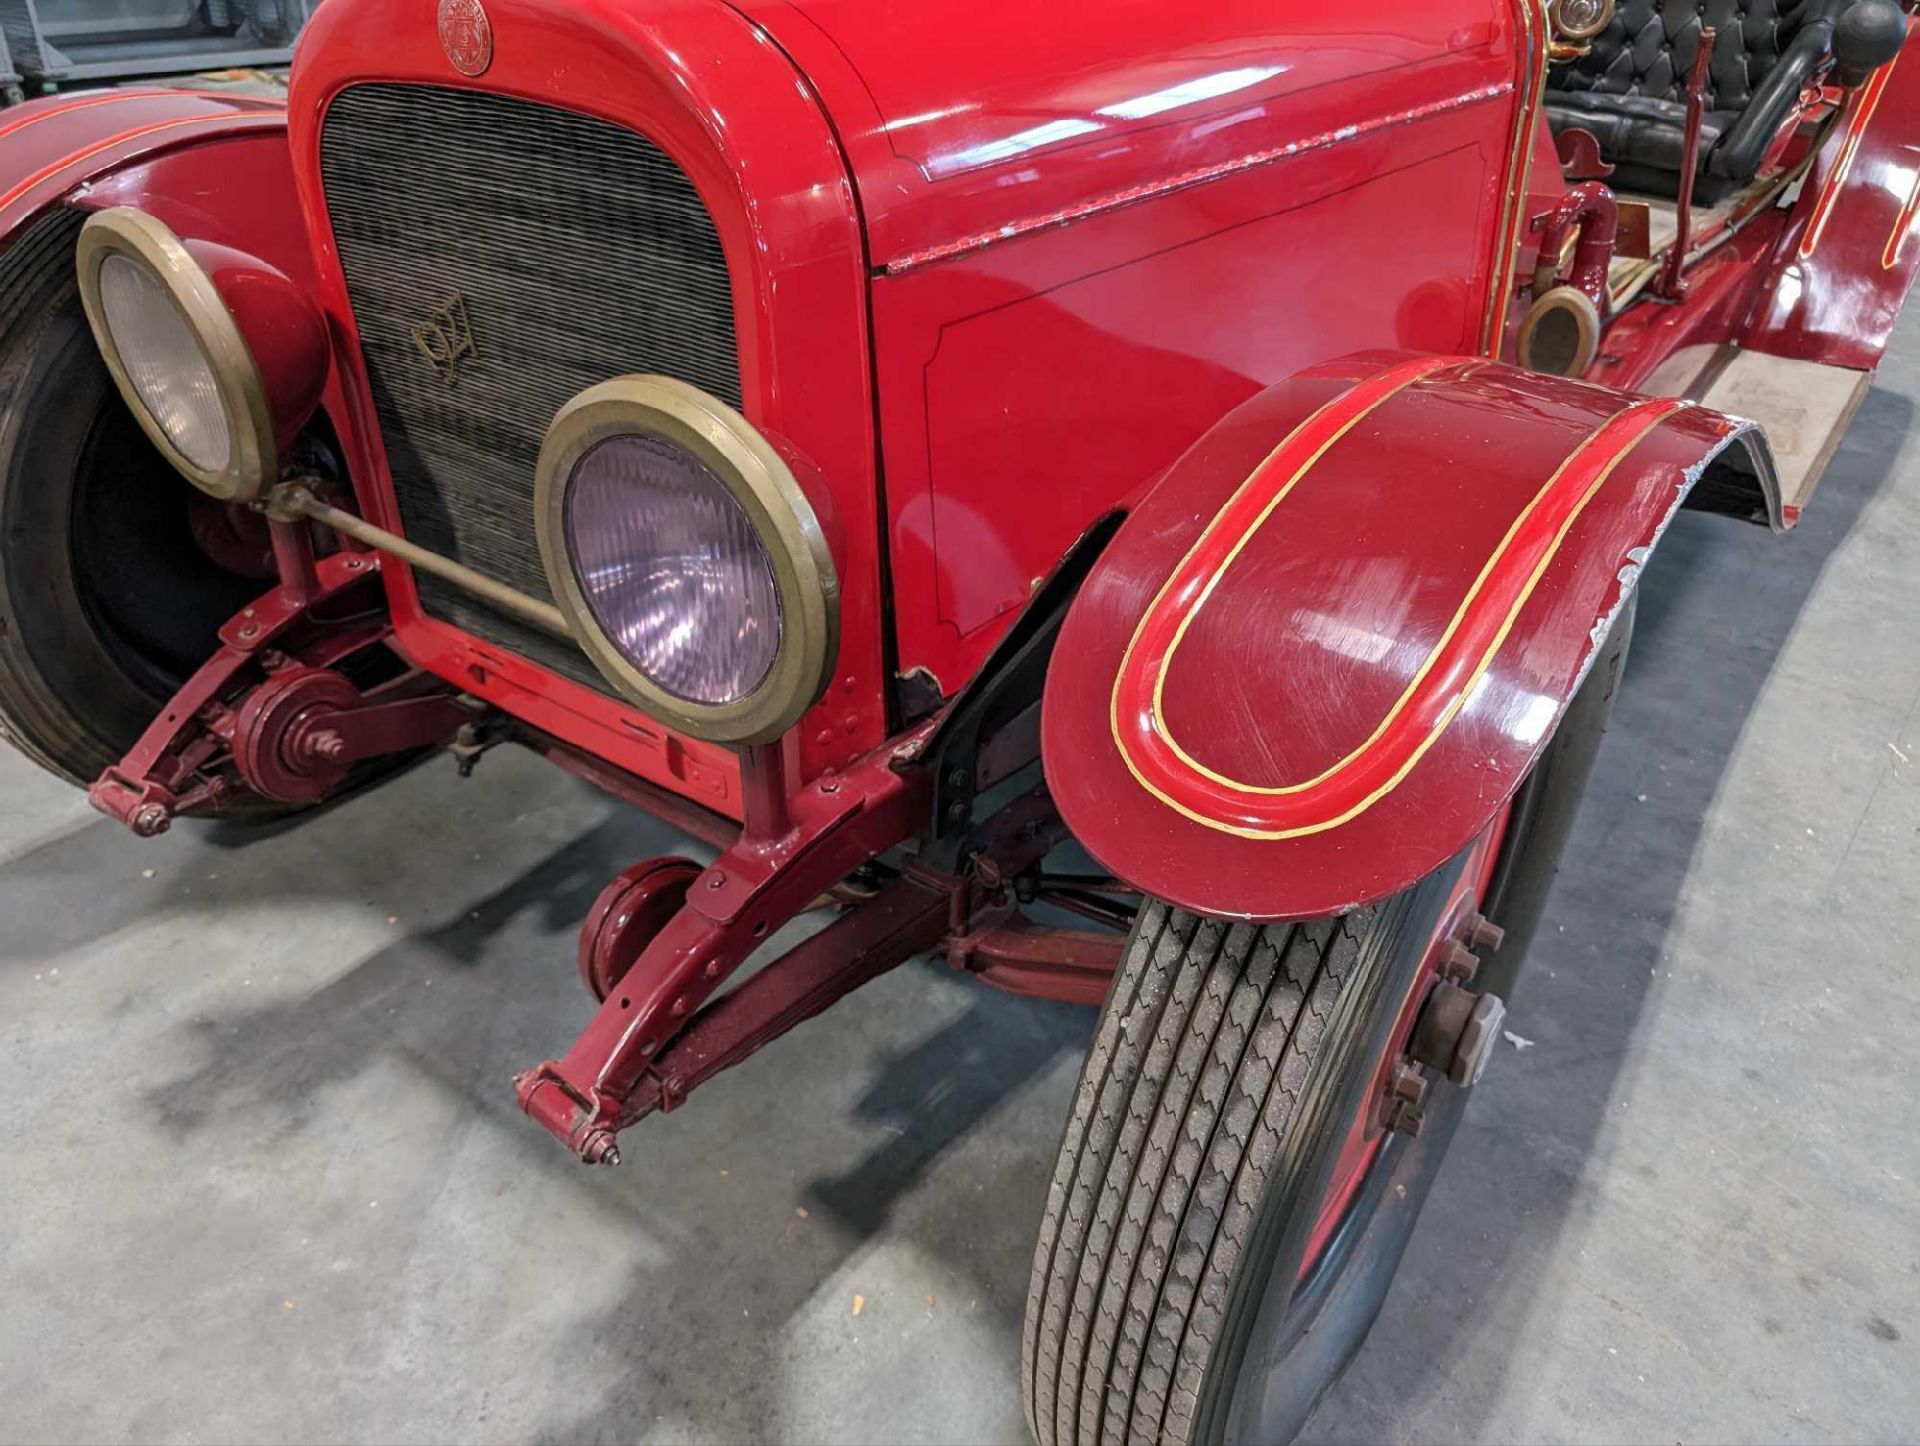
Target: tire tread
{"type": "Point", "coordinates": [1174, 1136]}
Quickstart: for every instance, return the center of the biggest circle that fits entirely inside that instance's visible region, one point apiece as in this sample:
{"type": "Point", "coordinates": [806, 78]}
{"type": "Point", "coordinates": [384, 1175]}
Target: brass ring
{"type": "Point", "coordinates": [729, 447]}
{"type": "Point", "coordinates": [253, 455]}
{"type": "Point", "coordinates": [1561, 333]}
{"type": "Point", "coordinates": [1569, 30]}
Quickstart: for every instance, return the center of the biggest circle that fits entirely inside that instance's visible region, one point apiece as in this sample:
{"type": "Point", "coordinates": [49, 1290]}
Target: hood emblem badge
{"type": "Point", "coordinates": [446, 337]}
{"type": "Point", "coordinates": [466, 35]}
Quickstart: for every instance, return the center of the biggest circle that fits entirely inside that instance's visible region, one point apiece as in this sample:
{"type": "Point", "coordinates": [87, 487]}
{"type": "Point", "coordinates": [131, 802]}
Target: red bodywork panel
{"type": "Point", "coordinates": [987, 292]}
{"type": "Point", "coordinates": [1844, 267]}
{"type": "Point", "coordinates": [1091, 244]}
{"type": "Point", "coordinates": [1326, 649]}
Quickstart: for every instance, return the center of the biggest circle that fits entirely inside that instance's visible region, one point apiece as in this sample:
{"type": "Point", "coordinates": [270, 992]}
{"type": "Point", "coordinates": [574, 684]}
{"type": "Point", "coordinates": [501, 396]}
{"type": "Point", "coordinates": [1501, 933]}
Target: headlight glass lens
{"type": "Point", "coordinates": [165, 363]}
{"type": "Point", "coordinates": [673, 569]}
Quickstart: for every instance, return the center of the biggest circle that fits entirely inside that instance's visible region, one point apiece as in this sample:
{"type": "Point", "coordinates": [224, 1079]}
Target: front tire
{"type": "Point", "coordinates": [1203, 1136]}
{"type": "Point", "coordinates": [1211, 1256]}
{"type": "Point", "coordinates": [107, 601]}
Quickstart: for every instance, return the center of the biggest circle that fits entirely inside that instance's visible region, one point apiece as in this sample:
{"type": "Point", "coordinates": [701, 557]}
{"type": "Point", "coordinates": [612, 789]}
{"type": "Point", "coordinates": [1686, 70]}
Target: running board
{"type": "Point", "coordinates": [1804, 406]}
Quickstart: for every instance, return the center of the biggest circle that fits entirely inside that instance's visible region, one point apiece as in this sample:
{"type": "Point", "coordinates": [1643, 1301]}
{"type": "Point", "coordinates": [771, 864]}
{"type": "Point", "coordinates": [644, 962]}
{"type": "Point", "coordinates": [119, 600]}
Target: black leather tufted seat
{"type": "Point", "coordinates": [1630, 90]}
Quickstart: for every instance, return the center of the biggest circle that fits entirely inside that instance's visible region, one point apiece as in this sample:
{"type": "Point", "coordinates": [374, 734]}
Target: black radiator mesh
{"type": "Point", "coordinates": [577, 250]}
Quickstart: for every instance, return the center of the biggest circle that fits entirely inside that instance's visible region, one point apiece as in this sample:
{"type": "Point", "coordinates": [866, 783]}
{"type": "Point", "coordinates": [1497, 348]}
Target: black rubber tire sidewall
{"type": "Point", "coordinates": [1342, 1076]}
{"type": "Point", "coordinates": [76, 693]}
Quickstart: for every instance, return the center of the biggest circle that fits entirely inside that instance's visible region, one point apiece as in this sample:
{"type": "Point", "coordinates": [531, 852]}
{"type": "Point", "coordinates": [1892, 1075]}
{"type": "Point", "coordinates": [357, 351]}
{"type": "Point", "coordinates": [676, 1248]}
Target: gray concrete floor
{"type": "Point", "coordinates": [262, 1178]}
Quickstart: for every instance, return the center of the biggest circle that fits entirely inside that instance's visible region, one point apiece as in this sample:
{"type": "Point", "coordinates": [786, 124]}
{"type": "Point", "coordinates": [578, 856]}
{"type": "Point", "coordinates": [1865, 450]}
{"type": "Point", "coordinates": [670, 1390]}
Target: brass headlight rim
{"type": "Point", "coordinates": [735, 452]}
{"type": "Point", "coordinates": [1578, 34]}
{"type": "Point", "coordinates": [139, 236]}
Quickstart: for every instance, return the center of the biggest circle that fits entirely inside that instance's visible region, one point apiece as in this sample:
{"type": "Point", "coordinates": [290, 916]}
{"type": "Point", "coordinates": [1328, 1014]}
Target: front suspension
{"type": "Point", "coordinates": [271, 715]}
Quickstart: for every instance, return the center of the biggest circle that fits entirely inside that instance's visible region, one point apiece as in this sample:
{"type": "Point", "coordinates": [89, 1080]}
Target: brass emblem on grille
{"type": "Point", "coordinates": [466, 35]}
{"type": "Point", "coordinates": [446, 337]}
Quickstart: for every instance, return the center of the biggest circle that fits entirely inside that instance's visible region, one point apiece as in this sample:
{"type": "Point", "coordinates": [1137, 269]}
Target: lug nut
{"type": "Point", "coordinates": [1485, 935]}
{"type": "Point", "coordinates": [1406, 1094]}
{"type": "Point", "coordinates": [1409, 1083]}
{"type": "Point", "coordinates": [1458, 963]}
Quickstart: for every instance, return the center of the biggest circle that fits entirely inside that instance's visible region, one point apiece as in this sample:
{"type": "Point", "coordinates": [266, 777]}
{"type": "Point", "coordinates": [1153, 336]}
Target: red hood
{"type": "Point", "coordinates": [961, 117]}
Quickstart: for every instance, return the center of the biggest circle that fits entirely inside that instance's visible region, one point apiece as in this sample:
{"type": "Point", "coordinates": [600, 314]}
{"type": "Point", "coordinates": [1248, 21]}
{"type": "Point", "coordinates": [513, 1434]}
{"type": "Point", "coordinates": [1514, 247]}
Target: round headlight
{"type": "Point", "coordinates": [164, 364]}
{"type": "Point", "coordinates": [672, 568]}
{"type": "Point", "coordinates": [176, 353]}
{"type": "Point", "coordinates": [687, 560]}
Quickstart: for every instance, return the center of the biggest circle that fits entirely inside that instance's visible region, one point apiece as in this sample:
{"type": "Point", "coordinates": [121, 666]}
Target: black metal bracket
{"type": "Point", "coordinates": [1000, 704]}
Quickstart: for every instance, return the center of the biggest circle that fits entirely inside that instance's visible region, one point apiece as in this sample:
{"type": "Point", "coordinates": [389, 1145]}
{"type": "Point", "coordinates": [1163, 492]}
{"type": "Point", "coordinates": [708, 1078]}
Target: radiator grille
{"type": "Point", "coordinates": [578, 251]}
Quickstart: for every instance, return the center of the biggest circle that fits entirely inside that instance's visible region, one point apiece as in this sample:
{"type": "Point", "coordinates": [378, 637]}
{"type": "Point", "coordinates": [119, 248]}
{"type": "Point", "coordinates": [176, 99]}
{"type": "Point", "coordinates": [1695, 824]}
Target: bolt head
{"type": "Point", "coordinates": [1458, 964]}
{"type": "Point", "coordinates": [1485, 935]}
{"type": "Point", "coordinates": [1406, 1119]}
{"type": "Point", "coordinates": [1409, 1083]}
{"type": "Point", "coordinates": [599, 1149]}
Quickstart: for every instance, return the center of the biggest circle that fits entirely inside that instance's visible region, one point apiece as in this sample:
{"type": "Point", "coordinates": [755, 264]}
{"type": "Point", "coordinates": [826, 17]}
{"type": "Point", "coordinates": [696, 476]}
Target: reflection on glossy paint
{"type": "Point", "coordinates": [1336, 635]}
{"type": "Point", "coordinates": [1529, 722]}
{"type": "Point", "coordinates": [927, 117]}
{"type": "Point", "coordinates": [1008, 148]}
{"type": "Point", "coordinates": [1067, 128]}
{"type": "Point", "coordinates": [1792, 284]}
{"type": "Point", "coordinates": [1903, 183]}
{"type": "Point", "coordinates": [1191, 92]}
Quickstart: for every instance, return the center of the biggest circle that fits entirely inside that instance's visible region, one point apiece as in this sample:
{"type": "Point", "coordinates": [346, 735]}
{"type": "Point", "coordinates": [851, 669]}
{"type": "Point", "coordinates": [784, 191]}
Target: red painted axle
{"type": "Point", "coordinates": [272, 715]}
{"type": "Point", "coordinates": [656, 1037]}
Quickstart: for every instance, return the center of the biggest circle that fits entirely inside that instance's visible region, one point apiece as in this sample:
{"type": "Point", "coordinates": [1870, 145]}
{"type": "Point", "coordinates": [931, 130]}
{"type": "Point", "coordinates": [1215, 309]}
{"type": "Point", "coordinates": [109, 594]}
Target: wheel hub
{"type": "Point", "coordinates": [630, 911]}
{"type": "Point", "coordinates": [1456, 1032]}
{"type": "Point", "coordinates": [281, 744]}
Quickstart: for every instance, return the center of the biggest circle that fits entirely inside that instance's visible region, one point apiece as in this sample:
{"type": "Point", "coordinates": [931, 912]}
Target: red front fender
{"type": "Point", "coordinates": [211, 166]}
{"type": "Point", "coordinates": [1332, 641]}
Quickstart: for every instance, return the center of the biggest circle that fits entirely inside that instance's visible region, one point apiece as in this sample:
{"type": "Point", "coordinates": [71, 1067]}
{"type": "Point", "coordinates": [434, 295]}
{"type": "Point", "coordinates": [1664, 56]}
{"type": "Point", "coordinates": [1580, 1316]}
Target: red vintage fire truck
{"type": "Point", "coordinates": [913, 447]}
